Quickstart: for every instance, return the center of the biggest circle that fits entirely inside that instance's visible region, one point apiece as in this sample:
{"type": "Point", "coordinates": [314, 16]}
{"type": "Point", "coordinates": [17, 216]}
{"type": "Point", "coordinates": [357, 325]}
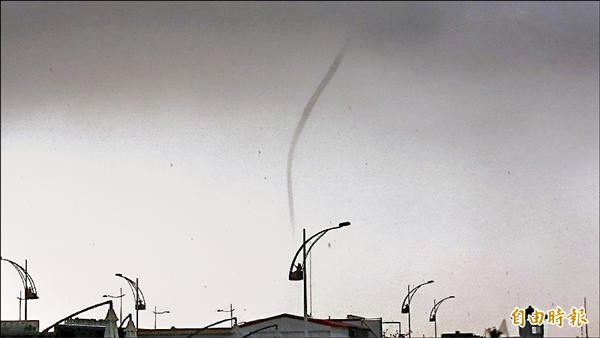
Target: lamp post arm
{"type": "Point", "coordinates": [321, 233]}
{"type": "Point", "coordinates": [433, 312]}
{"type": "Point", "coordinates": [413, 291]}
{"type": "Point", "coordinates": [314, 242]}
{"type": "Point", "coordinates": [436, 306]}
{"type": "Point", "coordinates": [404, 300]}
{"type": "Point", "coordinates": [133, 287]}
{"type": "Point", "coordinates": [130, 282]}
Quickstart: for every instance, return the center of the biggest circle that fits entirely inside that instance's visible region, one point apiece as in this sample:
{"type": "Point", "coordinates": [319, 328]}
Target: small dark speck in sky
{"type": "Point", "coordinates": [171, 164]}
{"type": "Point", "coordinates": [259, 152]}
{"type": "Point", "coordinates": [50, 69]}
{"type": "Point", "coordinates": [508, 172]}
{"type": "Point", "coordinates": [265, 178]}
{"type": "Point", "coordinates": [365, 163]}
{"type": "Point", "coordinates": [329, 245]}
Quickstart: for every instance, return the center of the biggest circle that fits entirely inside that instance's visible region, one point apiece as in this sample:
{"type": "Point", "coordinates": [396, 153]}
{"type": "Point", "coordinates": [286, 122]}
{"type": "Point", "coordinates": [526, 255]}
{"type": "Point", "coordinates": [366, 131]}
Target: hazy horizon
{"type": "Point", "coordinates": [151, 139]}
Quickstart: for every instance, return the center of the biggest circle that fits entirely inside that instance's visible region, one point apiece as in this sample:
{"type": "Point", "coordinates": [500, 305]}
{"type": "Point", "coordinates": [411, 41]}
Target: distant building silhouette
{"type": "Point", "coordinates": [285, 325]}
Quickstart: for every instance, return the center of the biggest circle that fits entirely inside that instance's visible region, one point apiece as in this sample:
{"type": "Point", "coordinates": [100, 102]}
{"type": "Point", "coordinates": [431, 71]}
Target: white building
{"type": "Point", "coordinates": [281, 326]}
{"type": "Point", "coordinates": [287, 325]}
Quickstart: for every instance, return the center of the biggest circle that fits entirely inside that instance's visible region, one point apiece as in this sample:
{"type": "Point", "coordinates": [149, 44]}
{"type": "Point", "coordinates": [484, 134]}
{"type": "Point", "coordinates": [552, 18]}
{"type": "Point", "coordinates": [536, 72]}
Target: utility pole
{"type": "Point", "coordinates": [137, 299]}
{"type": "Point", "coordinates": [304, 280]}
{"type": "Point", "coordinates": [586, 324]}
{"type": "Point", "coordinates": [231, 309]}
{"type": "Point", "coordinates": [434, 322]}
{"type": "Point", "coordinates": [409, 331]}
{"type": "Point", "coordinates": [121, 304]}
{"type": "Point", "coordinates": [26, 289]}
{"type": "Point", "coordinates": [20, 299]}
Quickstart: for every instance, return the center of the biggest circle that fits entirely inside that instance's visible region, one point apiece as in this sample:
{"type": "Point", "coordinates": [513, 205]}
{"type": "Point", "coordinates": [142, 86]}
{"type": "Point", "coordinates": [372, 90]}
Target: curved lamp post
{"type": "Point", "coordinates": [300, 273]}
{"type": "Point", "coordinates": [140, 301]}
{"type": "Point", "coordinates": [120, 296]}
{"type": "Point", "coordinates": [408, 299]}
{"type": "Point", "coordinates": [433, 313]}
{"type": "Point", "coordinates": [28, 284]}
{"type": "Point", "coordinates": [158, 313]}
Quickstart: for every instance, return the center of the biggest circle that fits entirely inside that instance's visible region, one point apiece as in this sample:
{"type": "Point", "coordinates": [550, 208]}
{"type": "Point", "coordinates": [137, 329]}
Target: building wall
{"type": "Point", "coordinates": [290, 327]}
{"type": "Point", "coordinates": [19, 327]}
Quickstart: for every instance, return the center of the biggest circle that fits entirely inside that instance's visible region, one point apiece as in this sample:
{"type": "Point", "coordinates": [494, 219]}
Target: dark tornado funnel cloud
{"type": "Point", "coordinates": [302, 122]}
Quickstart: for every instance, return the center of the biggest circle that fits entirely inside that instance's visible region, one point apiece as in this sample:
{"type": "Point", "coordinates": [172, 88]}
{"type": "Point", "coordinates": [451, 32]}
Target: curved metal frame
{"type": "Point", "coordinates": [262, 329]}
{"type": "Point", "coordinates": [140, 302]}
{"type": "Point", "coordinates": [129, 316]}
{"type": "Point", "coordinates": [28, 284]}
{"type": "Point", "coordinates": [234, 319]}
{"type": "Point", "coordinates": [406, 306]}
{"type": "Point", "coordinates": [75, 314]}
{"type": "Point", "coordinates": [320, 234]}
{"type": "Point", "coordinates": [436, 306]}
{"type": "Point", "coordinates": [409, 296]}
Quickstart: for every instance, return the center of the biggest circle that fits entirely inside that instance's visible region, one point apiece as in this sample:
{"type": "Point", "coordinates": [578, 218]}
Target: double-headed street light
{"type": "Point", "coordinates": [408, 299]}
{"type": "Point", "coordinates": [140, 301]}
{"type": "Point", "coordinates": [158, 313]}
{"type": "Point", "coordinates": [300, 272]}
{"type": "Point", "coordinates": [120, 296]}
{"type": "Point", "coordinates": [433, 313]}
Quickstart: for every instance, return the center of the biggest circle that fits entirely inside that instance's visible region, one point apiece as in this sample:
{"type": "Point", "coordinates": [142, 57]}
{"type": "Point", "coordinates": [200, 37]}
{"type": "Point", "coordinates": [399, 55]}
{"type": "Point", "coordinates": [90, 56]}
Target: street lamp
{"type": "Point", "coordinates": [231, 309]}
{"type": "Point", "coordinates": [300, 273]}
{"type": "Point", "coordinates": [120, 296]}
{"type": "Point", "coordinates": [158, 313]}
{"type": "Point", "coordinates": [28, 284]}
{"type": "Point", "coordinates": [433, 313]}
{"type": "Point", "coordinates": [408, 299]}
{"type": "Point", "coordinates": [140, 303]}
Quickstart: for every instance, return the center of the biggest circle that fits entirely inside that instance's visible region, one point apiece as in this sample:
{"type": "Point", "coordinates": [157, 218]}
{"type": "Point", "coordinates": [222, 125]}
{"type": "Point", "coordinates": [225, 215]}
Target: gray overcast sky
{"type": "Point", "coordinates": [461, 140]}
